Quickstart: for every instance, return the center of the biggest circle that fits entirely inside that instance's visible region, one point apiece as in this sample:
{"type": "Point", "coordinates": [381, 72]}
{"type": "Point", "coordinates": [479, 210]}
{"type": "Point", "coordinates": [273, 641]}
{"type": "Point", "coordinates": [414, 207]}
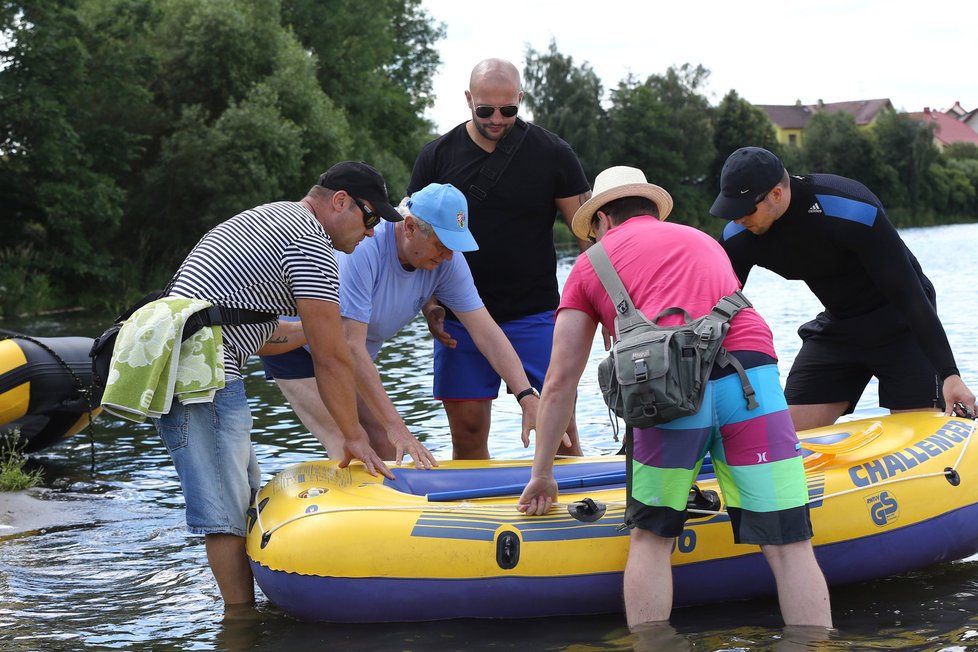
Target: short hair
{"type": "Point", "coordinates": [426, 229]}
{"type": "Point", "coordinates": [321, 192]}
{"type": "Point", "coordinates": [619, 210]}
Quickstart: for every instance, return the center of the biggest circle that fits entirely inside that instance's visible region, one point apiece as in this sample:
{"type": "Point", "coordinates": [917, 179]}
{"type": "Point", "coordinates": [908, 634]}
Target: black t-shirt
{"type": "Point", "coordinates": [515, 267]}
{"type": "Point", "coordinates": [836, 237]}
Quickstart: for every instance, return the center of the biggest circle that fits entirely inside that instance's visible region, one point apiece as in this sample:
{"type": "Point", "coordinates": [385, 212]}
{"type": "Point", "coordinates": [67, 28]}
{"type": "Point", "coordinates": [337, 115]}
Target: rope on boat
{"type": "Point", "coordinates": [463, 506]}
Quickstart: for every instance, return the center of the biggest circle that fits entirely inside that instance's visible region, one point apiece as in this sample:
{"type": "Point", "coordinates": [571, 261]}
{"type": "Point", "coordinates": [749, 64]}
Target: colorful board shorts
{"type": "Point", "coordinates": [464, 374]}
{"type": "Point", "coordinates": [755, 455]}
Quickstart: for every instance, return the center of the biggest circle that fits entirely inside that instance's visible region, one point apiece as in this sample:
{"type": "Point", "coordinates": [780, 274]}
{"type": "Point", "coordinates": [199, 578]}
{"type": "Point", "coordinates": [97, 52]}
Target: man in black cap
{"type": "Point", "coordinates": [277, 259]}
{"type": "Point", "coordinates": [879, 318]}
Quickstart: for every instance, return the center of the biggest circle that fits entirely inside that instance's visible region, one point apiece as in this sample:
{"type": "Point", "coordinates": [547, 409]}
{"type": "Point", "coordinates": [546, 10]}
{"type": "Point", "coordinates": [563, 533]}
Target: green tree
{"type": "Point", "coordinates": [377, 61]}
{"type": "Point", "coordinates": [664, 126]}
{"type": "Point", "coordinates": [739, 124]}
{"type": "Point", "coordinates": [835, 144]}
{"type": "Point", "coordinates": [963, 157]}
{"type": "Point", "coordinates": [566, 99]}
{"type": "Point", "coordinates": [907, 146]}
{"type": "Point", "coordinates": [73, 93]}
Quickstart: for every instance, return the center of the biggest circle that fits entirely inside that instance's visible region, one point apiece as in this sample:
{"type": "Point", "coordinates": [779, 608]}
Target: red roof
{"type": "Point", "coordinates": [949, 129]}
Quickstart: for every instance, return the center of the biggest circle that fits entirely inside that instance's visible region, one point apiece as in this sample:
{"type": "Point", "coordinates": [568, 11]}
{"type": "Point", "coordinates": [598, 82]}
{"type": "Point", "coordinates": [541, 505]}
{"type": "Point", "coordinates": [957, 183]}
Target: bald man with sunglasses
{"type": "Point", "coordinates": [516, 177]}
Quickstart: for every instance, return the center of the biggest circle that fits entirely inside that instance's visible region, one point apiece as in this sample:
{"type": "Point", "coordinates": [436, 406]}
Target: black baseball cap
{"type": "Point", "coordinates": [363, 182]}
{"type": "Point", "coordinates": [747, 173]}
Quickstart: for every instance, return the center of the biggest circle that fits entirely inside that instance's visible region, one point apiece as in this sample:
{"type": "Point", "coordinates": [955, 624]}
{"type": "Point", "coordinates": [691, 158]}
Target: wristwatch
{"type": "Point", "coordinates": [527, 392]}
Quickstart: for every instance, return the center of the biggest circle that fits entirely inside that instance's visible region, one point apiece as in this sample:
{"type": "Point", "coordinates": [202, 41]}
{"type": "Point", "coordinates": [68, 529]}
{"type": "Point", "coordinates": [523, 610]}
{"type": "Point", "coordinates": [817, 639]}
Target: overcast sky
{"type": "Point", "coordinates": [917, 54]}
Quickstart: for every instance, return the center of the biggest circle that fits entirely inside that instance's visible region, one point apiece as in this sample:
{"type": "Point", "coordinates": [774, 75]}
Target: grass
{"type": "Point", "coordinates": [13, 477]}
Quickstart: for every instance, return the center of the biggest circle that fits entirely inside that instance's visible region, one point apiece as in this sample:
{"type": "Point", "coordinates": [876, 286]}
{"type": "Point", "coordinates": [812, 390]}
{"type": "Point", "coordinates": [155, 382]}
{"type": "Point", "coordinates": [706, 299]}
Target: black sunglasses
{"type": "Point", "coordinates": [486, 111]}
{"type": "Point", "coordinates": [757, 200]}
{"type": "Point", "coordinates": [370, 218]}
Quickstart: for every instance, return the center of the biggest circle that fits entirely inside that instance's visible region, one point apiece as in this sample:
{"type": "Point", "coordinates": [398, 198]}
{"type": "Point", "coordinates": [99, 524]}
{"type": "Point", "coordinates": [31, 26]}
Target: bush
{"type": "Point", "coordinates": [13, 477]}
{"type": "Point", "coordinates": [24, 287]}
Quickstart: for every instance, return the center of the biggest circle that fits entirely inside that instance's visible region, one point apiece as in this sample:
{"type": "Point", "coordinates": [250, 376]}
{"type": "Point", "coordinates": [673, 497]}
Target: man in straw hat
{"type": "Point", "coordinates": [753, 451]}
{"type": "Point", "coordinates": [383, 285]}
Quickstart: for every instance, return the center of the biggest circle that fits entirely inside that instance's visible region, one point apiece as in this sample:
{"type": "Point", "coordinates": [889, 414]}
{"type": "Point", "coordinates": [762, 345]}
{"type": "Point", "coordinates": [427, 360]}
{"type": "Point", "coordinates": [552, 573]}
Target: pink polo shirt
{"type": "Point", "coordinates": [662, 265]}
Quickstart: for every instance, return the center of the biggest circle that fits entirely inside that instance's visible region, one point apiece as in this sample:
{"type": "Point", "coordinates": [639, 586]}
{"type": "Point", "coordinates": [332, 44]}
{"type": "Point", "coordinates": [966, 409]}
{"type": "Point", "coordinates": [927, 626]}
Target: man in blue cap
{"type": "Point", "coordinates": [383, 285]}
{"type": "Point", "coordinates": [879, 318]}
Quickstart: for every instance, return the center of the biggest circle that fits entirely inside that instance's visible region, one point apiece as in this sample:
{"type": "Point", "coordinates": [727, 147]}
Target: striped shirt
{"type": "Point", "coordinates": [262, 259]}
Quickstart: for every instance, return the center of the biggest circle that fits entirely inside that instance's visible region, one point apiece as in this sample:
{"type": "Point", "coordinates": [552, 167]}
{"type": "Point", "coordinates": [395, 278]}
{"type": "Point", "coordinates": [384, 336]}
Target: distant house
{"type": "Point", "coordinates": [948, 128]}
{"type": "Point", "coordinates": [790, 120]}
{"type": "Point", "coordinates": [970, 118]}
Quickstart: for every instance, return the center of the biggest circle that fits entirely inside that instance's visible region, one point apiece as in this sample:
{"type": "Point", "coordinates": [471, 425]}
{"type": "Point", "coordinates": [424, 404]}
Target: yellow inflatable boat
{"type": "Point", "coordinates": [887, 496]}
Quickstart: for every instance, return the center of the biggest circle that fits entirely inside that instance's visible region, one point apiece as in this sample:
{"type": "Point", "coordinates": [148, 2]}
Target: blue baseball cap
{"type": "Point", "coordinates": [443, 206]}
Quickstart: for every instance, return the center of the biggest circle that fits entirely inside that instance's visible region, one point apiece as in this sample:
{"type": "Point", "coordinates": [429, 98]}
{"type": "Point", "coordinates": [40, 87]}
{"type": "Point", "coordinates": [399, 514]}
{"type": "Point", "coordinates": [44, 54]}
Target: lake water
{"type": "Point", "coordinates": [130, 577]}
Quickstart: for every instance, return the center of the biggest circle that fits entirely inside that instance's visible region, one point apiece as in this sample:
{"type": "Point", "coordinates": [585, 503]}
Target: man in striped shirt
{"type": "Point", "coordinates": [276, 258]}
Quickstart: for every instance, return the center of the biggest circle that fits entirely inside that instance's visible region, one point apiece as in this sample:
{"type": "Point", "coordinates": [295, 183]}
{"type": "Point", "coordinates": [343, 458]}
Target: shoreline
{"type": "Point", "coordinates": [29, 511]}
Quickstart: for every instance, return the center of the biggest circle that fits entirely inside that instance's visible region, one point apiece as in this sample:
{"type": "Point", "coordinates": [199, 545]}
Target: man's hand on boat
{"type": "Point", "coordinates": [360, 449]}
{"type": "Point", "coordinates": [407, 444]}
{"type": "Point", "coordinates": [539, 495]}
{"type": "Point", "coordinates": [957, 393]}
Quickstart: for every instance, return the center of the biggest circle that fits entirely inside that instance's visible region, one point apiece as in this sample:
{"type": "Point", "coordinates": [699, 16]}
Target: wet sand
{"type": "Point", "coordinates": [33, 511]}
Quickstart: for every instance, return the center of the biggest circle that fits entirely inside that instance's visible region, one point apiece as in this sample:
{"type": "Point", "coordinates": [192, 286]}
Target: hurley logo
{"type": "Point", "coordinates": [815, 208]}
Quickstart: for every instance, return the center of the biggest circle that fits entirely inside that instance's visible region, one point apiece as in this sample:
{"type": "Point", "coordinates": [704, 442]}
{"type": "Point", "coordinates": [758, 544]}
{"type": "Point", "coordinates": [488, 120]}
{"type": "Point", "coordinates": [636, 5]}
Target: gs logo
{"type": "Point", "coordinates": [883, 508]}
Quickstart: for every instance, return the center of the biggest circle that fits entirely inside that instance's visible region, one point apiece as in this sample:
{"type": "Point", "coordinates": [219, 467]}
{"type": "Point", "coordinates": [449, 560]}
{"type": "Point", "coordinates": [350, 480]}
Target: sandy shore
{"type": "Point", "coordinates": [35, 510]}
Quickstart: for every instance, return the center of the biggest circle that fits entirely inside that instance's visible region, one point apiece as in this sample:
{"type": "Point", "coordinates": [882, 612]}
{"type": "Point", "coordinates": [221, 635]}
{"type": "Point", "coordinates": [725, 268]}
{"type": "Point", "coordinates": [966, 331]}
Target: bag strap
{"type": "Point", "coordinates": [724, 311]}
{"type": "Point", "coordinates": [627, 316]}
{"type": "Point", "coordinates": [223, 315]}
{"type": "Point", "coordinates": [724, 359]}
{"type": "Point", "coordinates": [497, 162]}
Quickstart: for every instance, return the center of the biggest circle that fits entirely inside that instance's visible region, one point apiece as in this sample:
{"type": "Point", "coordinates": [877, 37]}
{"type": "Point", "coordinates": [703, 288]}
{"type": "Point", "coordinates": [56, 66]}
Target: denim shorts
{"type": "Point", "coordinates": [210, 444]}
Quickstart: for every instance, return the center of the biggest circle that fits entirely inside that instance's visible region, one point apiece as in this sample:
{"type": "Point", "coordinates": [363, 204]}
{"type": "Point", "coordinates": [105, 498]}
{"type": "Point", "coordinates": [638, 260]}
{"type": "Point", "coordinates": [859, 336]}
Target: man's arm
{"type": "Point", "coordinates": [335, 378]}
{"type": "Point", "coordinates": [567, 207]}
{"type": "Point", "coordinates": [493, 344]}
{"type": "Point", "coordinates": [434, 314]}
{"type": "Point", "coordinates": [372, 392]}
{"type": "Point", "coordinates": [573, 334]}
{"type": "Point", "coordinates": [288, 336]}
{"type": "Point", "coordinates": [887, 261]}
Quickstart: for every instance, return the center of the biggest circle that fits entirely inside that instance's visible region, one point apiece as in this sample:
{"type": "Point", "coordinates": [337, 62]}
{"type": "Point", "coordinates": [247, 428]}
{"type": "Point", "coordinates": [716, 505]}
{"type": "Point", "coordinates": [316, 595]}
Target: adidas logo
{"type": "Point", "coordinates": [815, 208]}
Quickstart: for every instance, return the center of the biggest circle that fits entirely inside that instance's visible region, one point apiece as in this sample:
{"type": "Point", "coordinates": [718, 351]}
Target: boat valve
{"type": "Point", "coordinates": [587, 510]}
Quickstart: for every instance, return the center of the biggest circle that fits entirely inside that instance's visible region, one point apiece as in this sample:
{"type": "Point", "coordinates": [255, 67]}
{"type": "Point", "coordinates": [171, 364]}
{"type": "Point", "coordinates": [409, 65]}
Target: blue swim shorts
{"type": "Point", "coordinates": [464, 374]}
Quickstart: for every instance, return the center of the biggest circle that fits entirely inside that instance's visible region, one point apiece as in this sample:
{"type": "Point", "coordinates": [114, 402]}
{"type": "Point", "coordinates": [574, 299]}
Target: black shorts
{"type": "Point", "coordinates": [832, 370]}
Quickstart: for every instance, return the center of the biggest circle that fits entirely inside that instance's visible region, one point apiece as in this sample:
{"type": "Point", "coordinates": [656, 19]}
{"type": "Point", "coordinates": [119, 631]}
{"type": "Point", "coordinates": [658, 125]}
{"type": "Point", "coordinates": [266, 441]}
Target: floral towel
{"type": "Point", "coordinates": [144, 375]}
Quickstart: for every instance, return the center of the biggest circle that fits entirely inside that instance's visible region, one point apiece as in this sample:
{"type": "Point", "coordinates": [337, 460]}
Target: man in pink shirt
{"type": "Point", "coordinates": [755, 452]}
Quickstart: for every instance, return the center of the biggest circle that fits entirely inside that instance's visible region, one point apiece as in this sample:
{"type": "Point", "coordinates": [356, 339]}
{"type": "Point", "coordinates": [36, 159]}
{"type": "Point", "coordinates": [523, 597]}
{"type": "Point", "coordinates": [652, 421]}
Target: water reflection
{"type": "Point", "coordinates": [126, 575]}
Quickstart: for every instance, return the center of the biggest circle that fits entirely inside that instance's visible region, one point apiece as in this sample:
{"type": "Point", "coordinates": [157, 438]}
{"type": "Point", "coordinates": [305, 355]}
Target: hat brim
{"type": "Point", "coordinates": [456, 240]}
{"type": "Point", "coordinates": [386, 211]}
{"type": "Point", "coordinates": [581, 224]}
{"type": "Point", "coordinates": [732, 208]}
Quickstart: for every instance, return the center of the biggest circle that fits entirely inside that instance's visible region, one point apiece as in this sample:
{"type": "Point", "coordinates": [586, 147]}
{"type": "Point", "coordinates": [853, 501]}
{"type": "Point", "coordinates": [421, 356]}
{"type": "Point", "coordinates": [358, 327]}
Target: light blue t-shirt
{"type": "Point", "coordinates": [376, 290]}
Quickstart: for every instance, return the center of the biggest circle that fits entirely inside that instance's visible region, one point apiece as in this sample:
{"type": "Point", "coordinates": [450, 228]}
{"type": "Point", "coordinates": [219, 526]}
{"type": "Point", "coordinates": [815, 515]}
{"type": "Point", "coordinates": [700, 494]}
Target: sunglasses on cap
{"type": "Point", "coordinates": [486, 111]}
{"type": "Point", "coordinates": [370, 218]}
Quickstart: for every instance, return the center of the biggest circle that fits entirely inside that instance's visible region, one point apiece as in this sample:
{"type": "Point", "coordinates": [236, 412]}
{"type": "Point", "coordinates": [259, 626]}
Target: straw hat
{"type": "Point", "coordinates": [615, 183]}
